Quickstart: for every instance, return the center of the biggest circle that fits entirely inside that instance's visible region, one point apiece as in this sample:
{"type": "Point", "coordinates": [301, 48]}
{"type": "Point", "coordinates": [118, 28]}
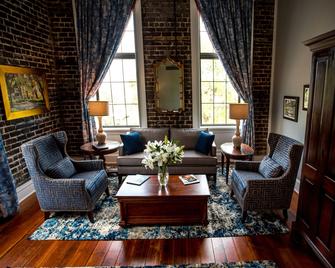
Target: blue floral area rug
{"type": "Point", "coordinates": [224, 215]}
{"type": "Point", "coordinates": [242, 264]}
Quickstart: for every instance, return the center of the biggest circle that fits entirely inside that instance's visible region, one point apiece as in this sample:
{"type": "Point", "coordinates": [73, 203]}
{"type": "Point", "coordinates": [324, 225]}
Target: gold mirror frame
{"type": "Point", "coordinates": [164, 91]}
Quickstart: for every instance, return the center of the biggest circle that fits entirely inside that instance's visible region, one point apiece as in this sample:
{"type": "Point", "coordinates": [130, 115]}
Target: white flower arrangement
{"type": "Point", "coordinates": [160, 154]}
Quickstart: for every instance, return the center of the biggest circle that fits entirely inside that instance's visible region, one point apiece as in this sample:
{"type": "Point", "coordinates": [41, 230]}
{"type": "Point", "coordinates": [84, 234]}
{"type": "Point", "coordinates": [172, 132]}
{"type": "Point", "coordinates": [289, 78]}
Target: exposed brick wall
{"type": "Point", "coordinates": [262, 63]}
{"type": "Point", "coordinates": [25, 41]}
{"type": "Point", "coordinates": [158, 39]}
{"type": "Point", "coordinates": [67, 70]}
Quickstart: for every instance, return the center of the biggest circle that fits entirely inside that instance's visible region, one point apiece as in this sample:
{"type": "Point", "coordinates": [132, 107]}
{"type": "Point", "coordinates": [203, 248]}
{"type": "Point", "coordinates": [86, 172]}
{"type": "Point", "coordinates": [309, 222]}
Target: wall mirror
{"type": "Point", "coordinates": [169, 86]}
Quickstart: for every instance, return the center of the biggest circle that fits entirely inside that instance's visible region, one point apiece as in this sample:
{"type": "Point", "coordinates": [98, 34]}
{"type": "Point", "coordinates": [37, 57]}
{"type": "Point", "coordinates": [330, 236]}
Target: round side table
{"type": "Point", "coordinates": [110, 147]}
{"type": "Point", "coordinates": [229, 152]}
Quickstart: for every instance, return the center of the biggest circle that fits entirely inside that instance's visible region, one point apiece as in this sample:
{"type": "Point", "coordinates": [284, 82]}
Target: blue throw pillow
{"type": "Point", "coordinates": [205, 142]}
{"type": "Point", "coordinates": [270, 168]}
{"type": "Point", "coordinates": [62, 169]}
{"type": "Point", "coordinates": [132, 143]}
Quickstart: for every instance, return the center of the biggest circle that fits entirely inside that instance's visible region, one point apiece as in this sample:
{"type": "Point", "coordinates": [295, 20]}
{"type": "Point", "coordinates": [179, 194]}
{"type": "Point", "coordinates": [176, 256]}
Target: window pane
{"type": "Point", "coordinates": [107, 77]}
{"type": "Point", "coordinates": [131, 93]}
{"type": "Point", "coordinates": [219, 92]}
{"type": "Point", "coordinates": [116, 71]}
{"type": "Point", "coordinates": [118, 93]}
{"type": "Point", "coordinates": [219, 71]}
{"type": "Point", "coordinates": [207, 114]}
{"type": "Point", "coordinates": [207, 92]}
{"type": "Point", "coordinates": [105, 92]}
{"type": "Point", "coordinates": [232, 96]}
{"type": "Point", "coordinates": [129, 69]}
{"type": "Point", "coordinates": [220, 114]}
{"type": "Point", "coordinates": [205, 43]}
{"type": "Point", "coordinates": [132, 115]}
{"type": "Point", "coordinates": [120, 115]}
{"type": "Point", "coordinates": [128, 43]}
{"type": "Point", "coordinates": [207, 70]}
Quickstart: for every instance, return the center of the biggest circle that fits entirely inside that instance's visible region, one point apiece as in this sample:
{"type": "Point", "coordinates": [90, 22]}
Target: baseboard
{"type": "Point", "coordinates": [25, 190]}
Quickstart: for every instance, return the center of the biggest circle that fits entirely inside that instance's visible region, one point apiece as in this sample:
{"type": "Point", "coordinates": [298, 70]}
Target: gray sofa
{"type": "Point", "coordinates": [193, 162]}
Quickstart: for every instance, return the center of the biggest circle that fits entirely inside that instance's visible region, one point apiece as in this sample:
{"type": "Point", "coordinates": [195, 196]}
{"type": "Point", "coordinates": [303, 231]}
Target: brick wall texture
{"type": "Point", "coordinates": [40, 34]}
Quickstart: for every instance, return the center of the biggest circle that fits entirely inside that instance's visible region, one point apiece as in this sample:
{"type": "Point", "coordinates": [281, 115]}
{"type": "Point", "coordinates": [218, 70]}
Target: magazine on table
{"type": "Point", "coordinates": [137, 179]}
{"type": "Point", "coordinates": [189, 179]}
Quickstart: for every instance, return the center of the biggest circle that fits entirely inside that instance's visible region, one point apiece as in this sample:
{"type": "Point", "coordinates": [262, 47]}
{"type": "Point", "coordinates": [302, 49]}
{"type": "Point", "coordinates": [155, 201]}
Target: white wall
{"type": "Point", "coordinates": [297, 21]}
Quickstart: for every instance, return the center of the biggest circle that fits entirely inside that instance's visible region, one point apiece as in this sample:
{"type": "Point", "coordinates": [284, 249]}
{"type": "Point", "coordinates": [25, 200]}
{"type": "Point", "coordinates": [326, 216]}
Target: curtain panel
{"type": "Point", "coordinates": [100, 25]}
{"type": "Point", "coordinates": [229, 26]}
{"type": "Point", "coordinates": [8, 197]}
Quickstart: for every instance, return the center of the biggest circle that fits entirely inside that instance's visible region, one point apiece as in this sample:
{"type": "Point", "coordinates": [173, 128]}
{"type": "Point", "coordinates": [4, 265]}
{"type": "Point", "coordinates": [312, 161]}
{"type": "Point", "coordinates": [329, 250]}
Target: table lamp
{"type": "Point", "coordinates": [238, 111]}
{"type": "Point", "coordinates": [99, 109]}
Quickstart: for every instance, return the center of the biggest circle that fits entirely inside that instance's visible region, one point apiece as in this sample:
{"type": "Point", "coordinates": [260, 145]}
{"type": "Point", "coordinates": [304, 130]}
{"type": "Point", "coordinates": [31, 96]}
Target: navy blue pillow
{"type": "Point", "coordinates": [132, 143]}
{"type": "Point", "coordinates": [205, 142]}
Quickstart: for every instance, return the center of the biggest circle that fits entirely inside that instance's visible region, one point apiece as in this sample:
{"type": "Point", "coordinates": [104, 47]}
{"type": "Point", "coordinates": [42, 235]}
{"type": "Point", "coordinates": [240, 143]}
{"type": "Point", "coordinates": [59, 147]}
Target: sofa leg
{"type": "Point", "coordinates": [90, 216]}
{"type": "Point", "coordinates": [107, 191]}
{"type": "Point", "coordinates": [46, 215]}
{"type": "Point", "coordinates": [285, 214]}
{"type": "Point", "coordinates": [244, 216]}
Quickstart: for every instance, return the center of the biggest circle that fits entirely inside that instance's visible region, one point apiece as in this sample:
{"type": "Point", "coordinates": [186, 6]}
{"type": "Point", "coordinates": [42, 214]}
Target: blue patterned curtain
{"type": "Point", "coordinates": [100, 25]}
{"type": "Point", "coordinates": [229, 26]}
{"type": "Point", "coordinates": [8, 197]}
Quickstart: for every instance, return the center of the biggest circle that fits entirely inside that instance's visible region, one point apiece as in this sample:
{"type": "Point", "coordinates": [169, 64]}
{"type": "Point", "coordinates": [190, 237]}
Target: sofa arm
{"type": "Point", "coordinates": [247, 165]}
{"type": "Point", "coordinates": [88, 165]}
{"type": "Point", "coordinates": [213, 149]}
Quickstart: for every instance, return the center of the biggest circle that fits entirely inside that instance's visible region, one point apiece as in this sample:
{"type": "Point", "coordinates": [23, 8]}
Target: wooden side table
{"type": "Point", "coordinates": [88, 150]}
{"type": "Point", "coordinates": [229, 152]}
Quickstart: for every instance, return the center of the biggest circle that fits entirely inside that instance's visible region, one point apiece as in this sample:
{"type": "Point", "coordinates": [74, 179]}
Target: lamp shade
{"type": "Point", "coordinates": [238, 111]}
{"type": "Point", "coordinates": [98, 108]}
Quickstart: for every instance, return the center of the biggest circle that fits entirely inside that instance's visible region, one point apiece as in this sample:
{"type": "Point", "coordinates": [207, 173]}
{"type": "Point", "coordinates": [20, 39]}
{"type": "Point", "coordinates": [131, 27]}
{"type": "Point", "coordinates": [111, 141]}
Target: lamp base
{"type": "Point", "coordinates": [237, 141]}
{"type": "Point", "coordinates": [101, 138]}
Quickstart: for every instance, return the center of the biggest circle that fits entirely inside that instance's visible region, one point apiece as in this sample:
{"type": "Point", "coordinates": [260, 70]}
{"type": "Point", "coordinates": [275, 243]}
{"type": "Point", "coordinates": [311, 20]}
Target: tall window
{"type": "Point", "coordinates": [216, 90]}
{"type": "Point", "coordinates": [119, 86]}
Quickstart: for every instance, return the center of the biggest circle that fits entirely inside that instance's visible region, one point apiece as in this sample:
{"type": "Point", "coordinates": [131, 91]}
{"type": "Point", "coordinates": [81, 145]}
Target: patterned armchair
{"type": "Point", "coordinates": [61, 183]}
{"type": "Point", "coordinates": [254, 191]}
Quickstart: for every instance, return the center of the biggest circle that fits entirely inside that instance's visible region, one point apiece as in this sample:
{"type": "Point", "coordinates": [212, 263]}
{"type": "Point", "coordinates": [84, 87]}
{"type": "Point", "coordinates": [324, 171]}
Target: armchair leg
{"type": "Point", "coordinates": [46, 215]}
{"type": "Point", "coordinates": [107, 191]}
{"type": "Point", "coordinates": [285, 214]}
{"type": "Point", "coordinates": [244, 216]}
{"type": "Point", "coordinates": [231, 193]}
{"type": "Point", "coordinates": [90, 216]}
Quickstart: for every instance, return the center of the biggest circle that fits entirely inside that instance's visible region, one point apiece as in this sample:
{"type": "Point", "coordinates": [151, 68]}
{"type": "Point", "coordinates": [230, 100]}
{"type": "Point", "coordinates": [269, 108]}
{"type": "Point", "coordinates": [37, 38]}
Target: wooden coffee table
{"type": "Point", "coordinates": [177, 204]}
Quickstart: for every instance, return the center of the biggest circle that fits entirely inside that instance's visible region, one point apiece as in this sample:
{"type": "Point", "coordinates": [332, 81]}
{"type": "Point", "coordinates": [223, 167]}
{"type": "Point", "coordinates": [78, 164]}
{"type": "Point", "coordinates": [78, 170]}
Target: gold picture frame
{"type": "Point", "coordinates": [24, 92]}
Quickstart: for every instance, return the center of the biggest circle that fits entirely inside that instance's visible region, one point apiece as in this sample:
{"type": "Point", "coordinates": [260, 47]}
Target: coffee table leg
{"type": "Point", "coordinates": [227, 168]}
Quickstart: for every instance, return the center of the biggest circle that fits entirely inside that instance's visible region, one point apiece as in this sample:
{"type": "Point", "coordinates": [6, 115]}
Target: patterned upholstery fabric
{"type": "Point", "coordinates": [93, 180]}
{"type": "Point", "coordinates": [62, 169]}
{"type": "Point", "coordinates": [269, 193]}
{"type": "Point", "coordinates": [242, 177]}
{"type": "Point", "coordinates": [64, 194]}
{"type": "Point", "coordinates": [270, 168]}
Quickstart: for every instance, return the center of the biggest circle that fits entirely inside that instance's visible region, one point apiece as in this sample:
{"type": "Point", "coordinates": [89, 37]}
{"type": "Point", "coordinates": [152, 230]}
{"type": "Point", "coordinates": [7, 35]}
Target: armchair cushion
{"type": "Point", "coordinates": [93, 180]}
{"type": "Point", "coordinates": [270, 168]}
{"type": "Point", "coordinates": [204, 143]}
{"type": "Point", "coordinates": [62, 169]}
{"type": "Point", "coordinates": [132, 143]}
{"type": "Point", "coordinates": [241, 178]}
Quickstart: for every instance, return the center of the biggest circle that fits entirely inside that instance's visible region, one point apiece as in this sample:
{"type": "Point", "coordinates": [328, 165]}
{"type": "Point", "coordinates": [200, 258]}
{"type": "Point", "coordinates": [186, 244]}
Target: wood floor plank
{"type": "Point", "coordinates": [132, 253]}
{"type": "Point", "coordinates": [243, 249]}
{"type": "Point", "coordinates": [206, 251]}
{"type": "Point", "coordinates": [82, 254]}
{"type": "Point", "coordinates": [99, 253]}
{"type": "Point", "coordinates": [230, 249]}
{"type": "Point", "coordinates": [154, 252]}
{"type": "Point", "coordinates": [219, 250]}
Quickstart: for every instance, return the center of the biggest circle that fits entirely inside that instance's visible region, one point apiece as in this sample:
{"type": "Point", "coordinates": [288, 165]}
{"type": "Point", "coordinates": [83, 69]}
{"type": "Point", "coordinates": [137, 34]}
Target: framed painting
{"type": "Point", "coordinates": [305, 97]}
{"type": "Point", "coordinates": [291, 108]}
{"type": "Point", "coordinates": [24, 92]}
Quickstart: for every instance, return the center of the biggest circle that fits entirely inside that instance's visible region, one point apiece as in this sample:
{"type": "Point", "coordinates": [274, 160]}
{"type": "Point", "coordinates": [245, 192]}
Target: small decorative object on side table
{"type": "Point", "coordinates": [229, 152]}
{"type": "Point", "coordinates": [160, 154]}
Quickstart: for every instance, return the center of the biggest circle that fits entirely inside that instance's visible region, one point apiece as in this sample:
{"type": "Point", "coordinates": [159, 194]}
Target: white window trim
{"type": "Point", "coordinates": [195, 54]}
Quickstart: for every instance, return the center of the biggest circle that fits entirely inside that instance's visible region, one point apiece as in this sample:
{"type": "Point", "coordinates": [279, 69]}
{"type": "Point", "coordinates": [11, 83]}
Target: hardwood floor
{"type": "Point", "coordinates": [16, 250]}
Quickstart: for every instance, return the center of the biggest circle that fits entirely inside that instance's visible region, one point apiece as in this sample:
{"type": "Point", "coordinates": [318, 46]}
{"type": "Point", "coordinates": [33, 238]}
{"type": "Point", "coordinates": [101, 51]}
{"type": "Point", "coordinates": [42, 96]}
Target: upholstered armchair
{"type": "Point", "coordinates": [61, 183]}
{"type": "Point", "coordinates": [255, 191]}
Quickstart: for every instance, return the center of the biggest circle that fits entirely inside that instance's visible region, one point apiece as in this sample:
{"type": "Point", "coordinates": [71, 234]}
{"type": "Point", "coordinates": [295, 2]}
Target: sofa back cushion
{"type": "Point", "coordinates": [132, 143]}
{"type": "Point", "coordinates": [204, 143]}
{"type": "Point", "coordinates": [48, 152]}
{"type": "Point", "coordinates": [152, 134]}
{"type": "Point", "coordinates": [186, 136]}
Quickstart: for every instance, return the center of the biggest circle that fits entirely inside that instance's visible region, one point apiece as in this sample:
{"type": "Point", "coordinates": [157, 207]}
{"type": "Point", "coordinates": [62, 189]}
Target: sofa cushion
{"type": "Point", "coordinates": [270, 168]}
{"type": "Point", "coordinates": [131, 160]}
{"type": "Point", "coordinates": [93, 180]}
{"type": "Point", "coordinates": [132, 143]}
{"type": "Point", "coordinates": [152, 134]}
{"type": "Point", "coordinates": [62, 169]}
{"type": "Point", "coordinates": [204, 143]}
{"type": "Point", "coordinates": [185, 136]}
{"type": "Point", "coordinates": [48, 152]}
{"type": "Point", "coordinates": [241, 178]}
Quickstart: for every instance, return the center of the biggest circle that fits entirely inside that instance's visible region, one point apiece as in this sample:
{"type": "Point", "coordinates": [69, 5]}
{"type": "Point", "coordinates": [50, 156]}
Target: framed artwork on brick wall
{"type": "Point", "coordinates": [291, 108]}
{"type": "Point", "coordinates": [24, 92]}
{"type": "Point", "coordinates": [305, 98]}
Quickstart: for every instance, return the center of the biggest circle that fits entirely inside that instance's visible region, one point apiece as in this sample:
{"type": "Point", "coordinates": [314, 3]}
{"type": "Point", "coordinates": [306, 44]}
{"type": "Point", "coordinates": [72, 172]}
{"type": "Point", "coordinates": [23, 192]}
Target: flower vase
{"type": "Point", "coordinates": [163, 176]}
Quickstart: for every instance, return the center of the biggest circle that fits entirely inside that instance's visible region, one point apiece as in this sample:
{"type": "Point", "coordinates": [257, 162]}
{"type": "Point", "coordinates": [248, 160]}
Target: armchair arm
{"type": "Point", "coordinates": [247, 165]}
{"type": "Point", "coordinates": [88, 165]}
